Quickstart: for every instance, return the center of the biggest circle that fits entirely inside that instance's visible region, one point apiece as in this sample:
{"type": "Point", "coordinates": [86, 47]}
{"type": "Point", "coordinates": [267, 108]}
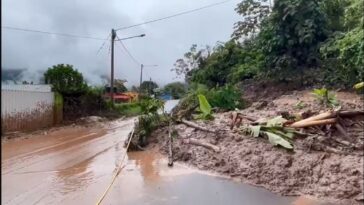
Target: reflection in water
{"type": "Point", "coordinates": [145, 163]}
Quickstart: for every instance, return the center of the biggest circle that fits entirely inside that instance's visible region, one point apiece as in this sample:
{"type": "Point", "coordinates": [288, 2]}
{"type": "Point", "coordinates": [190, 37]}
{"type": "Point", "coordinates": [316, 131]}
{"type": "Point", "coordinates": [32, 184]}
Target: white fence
{"type": "Point", "coordinates": [26, 107]}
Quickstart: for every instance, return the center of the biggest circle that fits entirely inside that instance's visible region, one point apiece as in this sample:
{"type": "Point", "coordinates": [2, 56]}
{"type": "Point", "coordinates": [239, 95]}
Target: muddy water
{"type": "Point", "coordinates": [75, 166]}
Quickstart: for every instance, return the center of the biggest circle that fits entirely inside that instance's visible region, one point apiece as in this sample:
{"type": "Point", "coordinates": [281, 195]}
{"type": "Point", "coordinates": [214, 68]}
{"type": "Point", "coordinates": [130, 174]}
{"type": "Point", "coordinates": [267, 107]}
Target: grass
{"type": "Point", "coordinates": [128, 109]}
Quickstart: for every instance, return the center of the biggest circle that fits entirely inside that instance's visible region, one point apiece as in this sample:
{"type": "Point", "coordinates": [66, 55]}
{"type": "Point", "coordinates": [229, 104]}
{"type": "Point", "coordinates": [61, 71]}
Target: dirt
{"type": "Point", "coordinates": [320, 165]}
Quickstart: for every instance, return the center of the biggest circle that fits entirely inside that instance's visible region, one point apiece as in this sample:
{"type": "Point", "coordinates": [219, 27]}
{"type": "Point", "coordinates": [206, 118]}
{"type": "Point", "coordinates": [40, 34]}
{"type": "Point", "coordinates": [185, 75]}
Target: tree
{"type": "Point", "coordinates": [253, 12]}
{"type": "Point", "coordinates": [343, 53]}
{"type": "Point", "coordinates": [191, 60]}
{"type": "Point", "coordinates": [227, 61]}
{"type": "Point", "coordinates": [334, 11]}
{"type": "Point", "coordinates": [148, 87]}
{"type": "Point", "coordinates": [176, 89]}
{"type": "Point", "coordinates": [119, 85]}
{"type": "Point", "coordinates": [65, 79]}
{"type": "Point", "coordinates": [290, 37]}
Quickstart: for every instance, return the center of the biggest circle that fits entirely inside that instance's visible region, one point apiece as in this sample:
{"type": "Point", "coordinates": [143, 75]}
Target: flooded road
{"type": "Point", "coordinates": [76, 165]}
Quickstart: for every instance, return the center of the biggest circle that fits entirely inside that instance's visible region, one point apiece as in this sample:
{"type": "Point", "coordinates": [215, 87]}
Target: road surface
{"type": "Point", "coordinates": [74, 165]}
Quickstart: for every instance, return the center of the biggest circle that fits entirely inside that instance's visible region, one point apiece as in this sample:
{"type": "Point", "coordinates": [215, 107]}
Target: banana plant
{"type": "Point", "coordinates": [274, 130]}
{"type": "Point", "coordinates": [205, 108]}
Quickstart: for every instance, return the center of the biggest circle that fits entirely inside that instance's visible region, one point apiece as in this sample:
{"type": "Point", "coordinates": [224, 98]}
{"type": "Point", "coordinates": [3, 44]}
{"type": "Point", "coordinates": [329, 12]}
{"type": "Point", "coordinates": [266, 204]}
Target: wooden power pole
{"type": "Point", "coordinates": [113, 36]}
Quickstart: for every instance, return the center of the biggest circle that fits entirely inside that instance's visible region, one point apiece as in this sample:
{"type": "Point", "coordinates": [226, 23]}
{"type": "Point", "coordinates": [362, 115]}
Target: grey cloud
{"type": "Point", "coordinates": [165, 41]}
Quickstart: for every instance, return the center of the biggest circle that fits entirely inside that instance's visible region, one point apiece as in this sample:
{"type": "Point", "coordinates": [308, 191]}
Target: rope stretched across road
{"type": "Point", "coordinates": [120, 167]}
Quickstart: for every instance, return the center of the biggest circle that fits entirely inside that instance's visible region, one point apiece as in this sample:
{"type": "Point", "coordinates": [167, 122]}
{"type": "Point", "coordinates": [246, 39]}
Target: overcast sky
{"type": "Point", "coordinates": [165, 41]}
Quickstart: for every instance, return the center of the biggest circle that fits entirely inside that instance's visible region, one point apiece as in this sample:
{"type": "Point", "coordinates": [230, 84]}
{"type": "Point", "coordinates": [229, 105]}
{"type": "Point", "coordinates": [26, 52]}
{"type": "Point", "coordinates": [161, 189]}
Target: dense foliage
{"type": "Point", "coordinates": [147, 87]}
{"type": "Point", "coordinates": [65, 79]}
{"type": "Point", "coordinates": [290, 36]}
{"type": "Point", "coordinates": [285, 42]}
{"type": "Point", "coordinates": [343, 52]}
{"type": "Point", "coordinates": [175, 89]}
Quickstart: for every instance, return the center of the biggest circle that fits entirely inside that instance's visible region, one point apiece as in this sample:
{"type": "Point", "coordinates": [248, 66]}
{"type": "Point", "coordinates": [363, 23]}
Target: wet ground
{"type": "Point", "coordinates": [75, 165]}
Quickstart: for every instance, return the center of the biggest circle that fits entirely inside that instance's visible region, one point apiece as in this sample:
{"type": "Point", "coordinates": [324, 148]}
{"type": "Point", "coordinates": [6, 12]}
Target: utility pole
{"type": "Point", "coordinates": [141, 75]}
{"type": "Point", "coordinates": [113, 36]}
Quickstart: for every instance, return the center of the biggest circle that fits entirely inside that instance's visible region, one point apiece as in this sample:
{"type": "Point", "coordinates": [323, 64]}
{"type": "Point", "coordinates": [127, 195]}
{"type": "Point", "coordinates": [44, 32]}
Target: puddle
{"type": "Point", "coordinates": [148, 180]}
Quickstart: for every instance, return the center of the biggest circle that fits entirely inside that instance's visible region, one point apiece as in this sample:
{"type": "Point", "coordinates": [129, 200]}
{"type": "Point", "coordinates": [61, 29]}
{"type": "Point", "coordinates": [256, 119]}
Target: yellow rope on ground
{"type": "Point", "coordinates": [118, 171]}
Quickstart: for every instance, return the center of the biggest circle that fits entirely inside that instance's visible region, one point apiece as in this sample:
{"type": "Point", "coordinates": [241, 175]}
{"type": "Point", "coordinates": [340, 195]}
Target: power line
{"type": "Point", "coordinates": [127, 51]}
{"type": "Point", "coordinates": [103, 44]}
{"type": "Point", "coordinates": [178, 14]}
{"type": "Point", "coordinates": [52, 33]}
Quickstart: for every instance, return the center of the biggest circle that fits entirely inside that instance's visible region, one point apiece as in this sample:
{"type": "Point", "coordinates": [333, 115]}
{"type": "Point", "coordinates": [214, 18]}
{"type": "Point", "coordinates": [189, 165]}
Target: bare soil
{"type": "Point", "coordinates": [323, 165]}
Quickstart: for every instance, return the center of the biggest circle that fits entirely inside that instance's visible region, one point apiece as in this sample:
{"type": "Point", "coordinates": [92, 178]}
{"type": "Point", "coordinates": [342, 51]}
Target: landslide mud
{"type": "Point", "coordinates": [313, 169]}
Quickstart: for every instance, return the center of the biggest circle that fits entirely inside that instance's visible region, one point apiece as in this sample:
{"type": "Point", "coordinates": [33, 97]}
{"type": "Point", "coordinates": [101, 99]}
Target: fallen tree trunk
{"type": "Point", "coordinates": [196, 126]}
{"type": "Point", "coordinates": [319, 117]}
{"type": "Point", "coordinates": [313, 123]}
{"type": "Point", "coordinates": [203, 144]}
{"type": "Point", "coordinates": [350, 113]}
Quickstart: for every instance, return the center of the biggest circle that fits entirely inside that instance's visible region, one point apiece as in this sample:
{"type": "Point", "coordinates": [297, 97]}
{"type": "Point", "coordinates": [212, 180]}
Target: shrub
{"type": "Point", "coordinates": [226, 97]}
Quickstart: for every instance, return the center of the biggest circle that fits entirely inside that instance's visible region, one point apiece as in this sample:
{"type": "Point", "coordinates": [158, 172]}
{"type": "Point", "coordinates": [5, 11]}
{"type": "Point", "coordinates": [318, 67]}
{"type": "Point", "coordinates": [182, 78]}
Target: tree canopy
{"type": "Point", "coordinates": [285, 42]}
{"type": "Point", "coordinates": [176, 89]}
{"type": "Point", "coordinates": [148, 87]}
{"type": "Point", "coordinates": [65, 79]}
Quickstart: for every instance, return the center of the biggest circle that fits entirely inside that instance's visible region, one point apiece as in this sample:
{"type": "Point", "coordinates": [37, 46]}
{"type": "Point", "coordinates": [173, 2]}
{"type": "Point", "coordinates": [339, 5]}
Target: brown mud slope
{"type": "Point", "coordinates": [320, 165]}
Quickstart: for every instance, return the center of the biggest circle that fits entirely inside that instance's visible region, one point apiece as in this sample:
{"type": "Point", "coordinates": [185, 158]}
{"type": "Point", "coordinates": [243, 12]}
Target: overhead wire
{"type": "Point", "coordinates": [174, 15]}
{"type": "Point", "coordinates": [52, 33]}
{"type": "Point", "coordinates": [127, 51]}
{"type": "Point", "coordinates": [103, 44]}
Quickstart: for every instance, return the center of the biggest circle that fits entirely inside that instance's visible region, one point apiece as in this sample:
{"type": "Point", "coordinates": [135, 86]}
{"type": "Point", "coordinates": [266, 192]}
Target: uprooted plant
{"type": "Point", "coordinates": [148, 121]}
{"type": "Point", "coordinates": [281, 131]}
{"type": "Point", "coordinates": [274, 130]}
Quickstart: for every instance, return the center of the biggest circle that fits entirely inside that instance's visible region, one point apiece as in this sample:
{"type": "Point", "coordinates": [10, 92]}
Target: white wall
{"type": "Point", "coordinates": [26, 107]}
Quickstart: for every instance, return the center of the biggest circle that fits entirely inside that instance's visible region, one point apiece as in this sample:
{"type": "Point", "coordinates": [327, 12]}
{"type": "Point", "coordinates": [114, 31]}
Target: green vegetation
{"type": "Point", "coordinates": [147, 87]}
{"type": "Point", "coordinates": [204, 108]}
{"type": "Point", "coordinates": [226, 97]}
{"type": "Point", "coordinates": [176, 89]}
{"type": "Point", "coordinates": [275, 132]}
{"type": "Point", "coordinates": [65, 79]}
{"type": "Point", "coordinates": [284, 43]}
{"type": "Point", "coordinates": [325, 97]}
{"type": "Point", "coordinates": [148, 121]}
{"type": "Point", "coordinates": [128, 109]}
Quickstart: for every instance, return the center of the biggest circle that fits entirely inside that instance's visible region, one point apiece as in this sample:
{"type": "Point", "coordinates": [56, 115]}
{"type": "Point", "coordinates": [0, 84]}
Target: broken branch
{"type": "Point", "coordinates": [196, 126]}
{"type": "Point", "coordinates": [322, 116]}
{"type": "Point", "coordinates": [203, 144]}
{"type": "Point", "coordinates": [313, 123]}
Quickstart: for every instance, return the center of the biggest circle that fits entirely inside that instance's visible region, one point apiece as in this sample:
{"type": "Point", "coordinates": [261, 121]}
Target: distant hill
{"type": "Point", "coordinates": [14, 75]}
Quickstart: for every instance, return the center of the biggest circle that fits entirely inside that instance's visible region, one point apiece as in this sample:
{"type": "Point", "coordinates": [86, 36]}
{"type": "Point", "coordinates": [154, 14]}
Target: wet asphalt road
{"type": "Point", "coordinates": [75, 165]}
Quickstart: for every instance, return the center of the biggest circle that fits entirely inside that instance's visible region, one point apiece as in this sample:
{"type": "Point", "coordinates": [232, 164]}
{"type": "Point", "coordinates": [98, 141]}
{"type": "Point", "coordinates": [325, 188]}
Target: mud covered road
{"type": "Point", "coordinates": [75, 164]}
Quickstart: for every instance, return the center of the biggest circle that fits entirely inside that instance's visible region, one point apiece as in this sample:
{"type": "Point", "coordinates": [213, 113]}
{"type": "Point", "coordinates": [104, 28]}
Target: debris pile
{"type": "Point", "coordinates": [324, 155]}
